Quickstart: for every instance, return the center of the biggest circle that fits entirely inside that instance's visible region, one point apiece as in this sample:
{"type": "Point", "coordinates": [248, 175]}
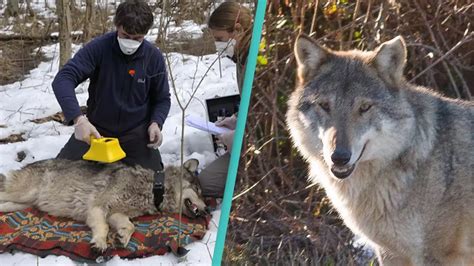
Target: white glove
{"type": "Point", "coordinates": [156, 138]}
{"type": "Point", "coordinates": [227, 139]}
{"type": "Point", "coordinates": [83, 130]}
{"type": "Point", "coordinates": [228, 122]}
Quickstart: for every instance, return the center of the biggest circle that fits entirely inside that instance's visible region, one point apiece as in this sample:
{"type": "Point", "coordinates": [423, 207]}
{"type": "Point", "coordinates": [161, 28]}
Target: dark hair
{"type": "Point", "coordinates": [135, 16]}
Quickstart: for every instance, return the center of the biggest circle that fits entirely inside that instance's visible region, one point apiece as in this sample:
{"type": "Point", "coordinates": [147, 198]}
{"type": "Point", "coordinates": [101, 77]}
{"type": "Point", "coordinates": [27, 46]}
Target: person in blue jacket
{"type": "Point", "coordinates": [129, 95]}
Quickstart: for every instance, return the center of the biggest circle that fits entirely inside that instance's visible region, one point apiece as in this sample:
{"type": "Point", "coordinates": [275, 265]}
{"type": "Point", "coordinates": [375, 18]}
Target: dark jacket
{"type": "Point", "coordinates": [124, 91]}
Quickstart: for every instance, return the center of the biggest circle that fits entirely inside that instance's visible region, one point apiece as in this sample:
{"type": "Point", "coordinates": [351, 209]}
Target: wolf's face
{"type": "Point", "coordinates": [191, 198]}
{"type": "Point", "coordinates": [347, 105]}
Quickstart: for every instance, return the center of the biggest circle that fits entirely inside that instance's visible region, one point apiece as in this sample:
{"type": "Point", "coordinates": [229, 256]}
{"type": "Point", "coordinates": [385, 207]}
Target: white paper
{"type": "Point", "coordinates": [204, 125]}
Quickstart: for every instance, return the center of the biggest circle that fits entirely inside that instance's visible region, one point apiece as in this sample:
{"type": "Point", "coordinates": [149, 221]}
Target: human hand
{"type": "Point", "coordinates": [156, 138]}
{"type": "Point", "coordinates": [227, 139]}
{"type": "Point", "coordinates": [83, 130]}
{"type": "Point", "coordinates": [228, 122]}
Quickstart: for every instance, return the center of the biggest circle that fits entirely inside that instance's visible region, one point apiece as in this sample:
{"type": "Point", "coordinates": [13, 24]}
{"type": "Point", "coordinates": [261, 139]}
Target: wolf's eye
{"type": "Point", "coordinates": [364, 107]}
{"type": "Point", "coordinates": [324, 106]}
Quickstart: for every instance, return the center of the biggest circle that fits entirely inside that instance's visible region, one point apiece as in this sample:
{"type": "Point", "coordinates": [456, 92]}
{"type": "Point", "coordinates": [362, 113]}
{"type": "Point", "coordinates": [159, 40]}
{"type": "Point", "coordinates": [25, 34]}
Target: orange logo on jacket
{"type": "Point", "coordinates": [131, 72]}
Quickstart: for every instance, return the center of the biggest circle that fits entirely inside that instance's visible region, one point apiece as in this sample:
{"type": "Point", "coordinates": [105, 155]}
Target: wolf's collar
{"type": "Point", "coordinates": [159, 188]}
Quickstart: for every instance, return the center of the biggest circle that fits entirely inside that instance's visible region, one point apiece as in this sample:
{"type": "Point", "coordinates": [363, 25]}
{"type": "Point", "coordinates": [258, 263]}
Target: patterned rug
{"type": "Point", "coordinates": [38, 233]}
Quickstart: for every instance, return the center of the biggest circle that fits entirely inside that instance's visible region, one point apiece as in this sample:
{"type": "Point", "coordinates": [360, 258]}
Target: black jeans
{"type": "Point", "coordinates": [133, 144]}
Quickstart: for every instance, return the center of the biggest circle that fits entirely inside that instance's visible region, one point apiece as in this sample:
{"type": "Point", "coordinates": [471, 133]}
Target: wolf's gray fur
{"type": "Point", "coordinates": [395, 159]}
{"type": "Point", "coordinates": [101, 195]}
{"type": "Point", "coordinates": [2, 182]}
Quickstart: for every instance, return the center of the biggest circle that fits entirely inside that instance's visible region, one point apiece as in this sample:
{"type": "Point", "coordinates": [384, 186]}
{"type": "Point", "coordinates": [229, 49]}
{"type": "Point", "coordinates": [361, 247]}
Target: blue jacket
{"type": "Point", "coordinates": [124, 91]}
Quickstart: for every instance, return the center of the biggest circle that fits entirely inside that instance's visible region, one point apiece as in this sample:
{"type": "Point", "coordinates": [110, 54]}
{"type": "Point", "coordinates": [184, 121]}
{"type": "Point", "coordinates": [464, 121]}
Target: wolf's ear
{"type": "Point", "coordinates": [191, 165]}
{"type": "Point", "coordinates": [309, 56]}
{"type": "Point", "coordinates": [390, 59]}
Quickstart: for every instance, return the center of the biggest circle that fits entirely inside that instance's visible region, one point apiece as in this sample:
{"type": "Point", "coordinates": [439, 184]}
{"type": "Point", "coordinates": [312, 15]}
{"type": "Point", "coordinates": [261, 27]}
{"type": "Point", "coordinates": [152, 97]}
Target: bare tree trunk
{"type": "Point", "coordinates": [29, 10]}
{"type": "Point", "coordinates": [12, 8]}
{"type": "Point", "coordinates": [74, 6]}
{"type": "Point", "coordinates": [88, 21]}
{"type": "Point", "coordinates": [64, 17]}
{"type": "Point", "coordinates": [104, 21]}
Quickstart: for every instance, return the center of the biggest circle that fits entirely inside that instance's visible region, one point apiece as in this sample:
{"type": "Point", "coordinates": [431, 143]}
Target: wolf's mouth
{"type": "Point", "coordinates": [192, 210]}
{"type": "Point", "coordinates": [345, 171]}
{"type": "Point", "coordinates": [342, 172]}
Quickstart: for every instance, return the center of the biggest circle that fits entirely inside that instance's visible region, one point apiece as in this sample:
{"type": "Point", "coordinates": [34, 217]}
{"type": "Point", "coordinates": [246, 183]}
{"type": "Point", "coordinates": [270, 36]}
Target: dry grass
{"type": "Point", "coordinates": [17, 58]}
{"type": "Point", "coordinates": [12, 138]}
{"type": "Point", "coordinates": [188, 45]}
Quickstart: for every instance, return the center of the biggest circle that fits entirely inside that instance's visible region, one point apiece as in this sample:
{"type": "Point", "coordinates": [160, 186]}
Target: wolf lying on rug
{"type": "Point", "coordinates": [100, 195]}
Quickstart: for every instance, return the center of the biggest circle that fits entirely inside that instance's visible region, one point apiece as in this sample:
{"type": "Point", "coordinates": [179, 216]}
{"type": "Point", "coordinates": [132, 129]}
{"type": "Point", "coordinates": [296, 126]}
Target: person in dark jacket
{"type": "Point", "coordinates": [129, 95]}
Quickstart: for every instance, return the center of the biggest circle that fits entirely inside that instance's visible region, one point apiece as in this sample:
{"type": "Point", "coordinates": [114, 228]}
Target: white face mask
{"type": "Point", "coordinates": [226, 48]}
{"type": "Point", "coordinates": [128, 46]}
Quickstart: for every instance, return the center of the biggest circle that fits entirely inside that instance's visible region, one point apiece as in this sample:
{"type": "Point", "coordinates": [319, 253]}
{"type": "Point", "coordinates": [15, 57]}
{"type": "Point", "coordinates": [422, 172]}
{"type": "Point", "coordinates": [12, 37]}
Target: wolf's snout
{"type": "Point", "coordinates": [341, 157]}
{"type": "Point", "coordinates": [192, 210]}
{"type": "Point", "coordinates": [341, 167]}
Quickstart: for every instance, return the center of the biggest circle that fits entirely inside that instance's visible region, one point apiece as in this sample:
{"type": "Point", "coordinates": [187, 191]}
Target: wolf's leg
{"type": "Point", "coordinates": [121, 223]}
{"type": "Point", "coordinates": [5, 196]}
{"type": "Point", "coordinates": [96, 221]}
{"type": "Point", "coordinates": [12, 206]}
{"type": "Point", "coordinates": [25, 196]}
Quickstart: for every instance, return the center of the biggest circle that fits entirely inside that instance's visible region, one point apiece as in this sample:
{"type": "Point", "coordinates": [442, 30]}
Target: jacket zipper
{"type": "Point", "coordinates": [121, 94]}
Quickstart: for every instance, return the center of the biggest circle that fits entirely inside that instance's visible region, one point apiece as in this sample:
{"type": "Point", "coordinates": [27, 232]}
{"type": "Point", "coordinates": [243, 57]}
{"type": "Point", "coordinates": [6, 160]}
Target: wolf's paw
{"type": "Point", "coordinates": [99, 243]}
{"type": "Point", "coordinates": [125, 233]}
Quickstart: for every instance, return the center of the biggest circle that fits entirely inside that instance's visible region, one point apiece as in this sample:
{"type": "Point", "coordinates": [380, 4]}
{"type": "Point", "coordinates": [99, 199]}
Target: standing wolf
{"type": "Point", "coordinates": [101, 195]}
{"type": "Point", "coordinates": [395, 159]}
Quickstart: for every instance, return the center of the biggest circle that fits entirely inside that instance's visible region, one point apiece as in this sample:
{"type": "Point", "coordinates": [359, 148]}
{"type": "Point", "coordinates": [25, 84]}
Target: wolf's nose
{"type": "Point", "coordinates": [341, 157]}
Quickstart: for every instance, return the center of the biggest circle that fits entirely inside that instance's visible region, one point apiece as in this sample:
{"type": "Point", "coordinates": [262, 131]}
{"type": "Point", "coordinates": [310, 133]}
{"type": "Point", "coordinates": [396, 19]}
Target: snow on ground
{"type": "Point", "coordinates": [33, 98]}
